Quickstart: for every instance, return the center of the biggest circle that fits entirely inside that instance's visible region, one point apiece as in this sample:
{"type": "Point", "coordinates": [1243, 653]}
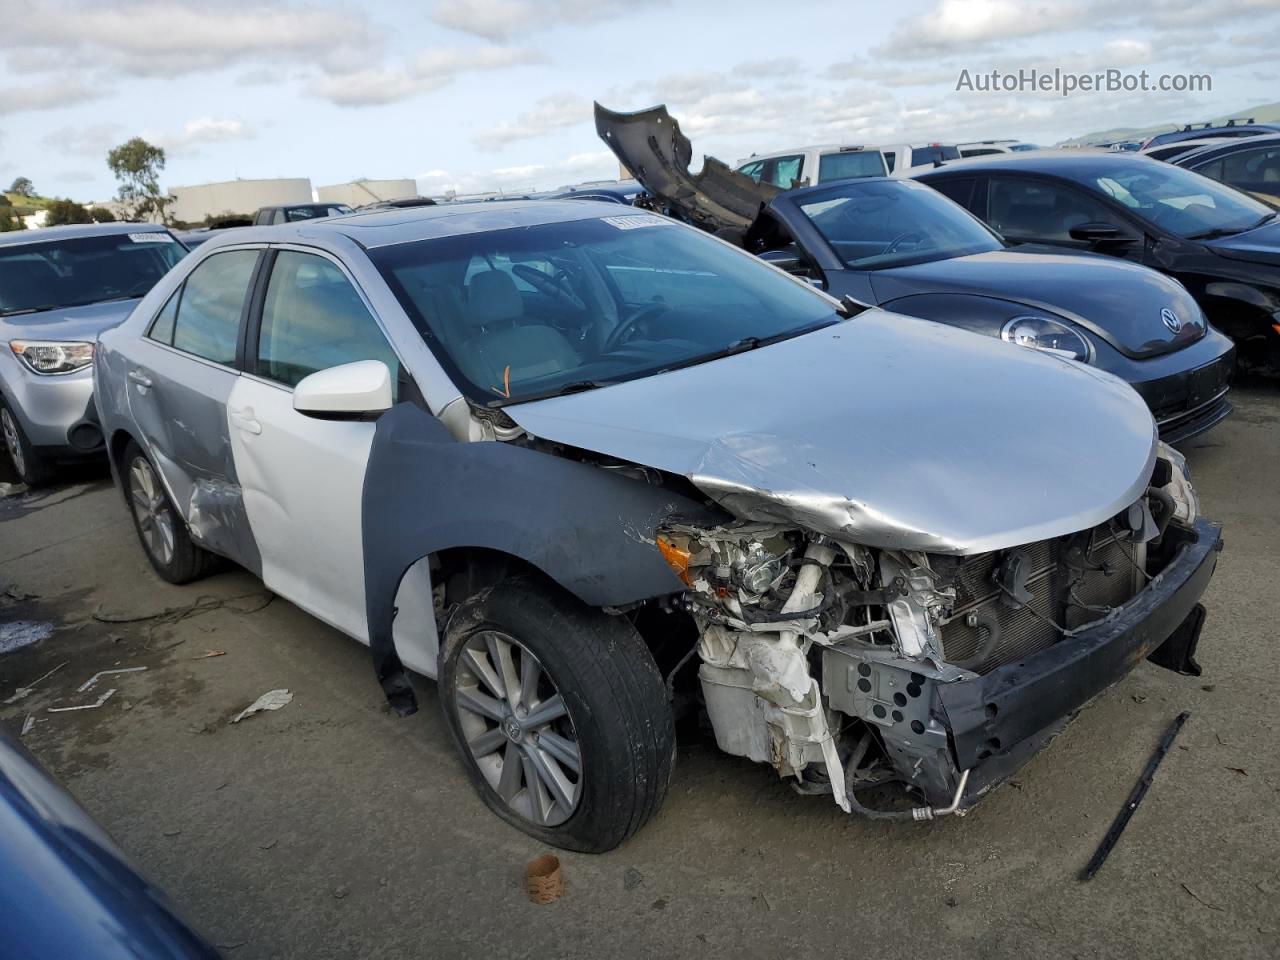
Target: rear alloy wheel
{"type": "Point", "coordinates": [32, 469]}
{"type": "Point", "coordinates": [559, 713]}
{"type": "Point", "coordinates": [161, 530]}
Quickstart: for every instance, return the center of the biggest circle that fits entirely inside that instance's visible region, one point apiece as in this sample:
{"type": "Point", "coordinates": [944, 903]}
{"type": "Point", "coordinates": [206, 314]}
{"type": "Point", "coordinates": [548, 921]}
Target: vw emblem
{"type": "Point", "coordinates": [1170, 320]}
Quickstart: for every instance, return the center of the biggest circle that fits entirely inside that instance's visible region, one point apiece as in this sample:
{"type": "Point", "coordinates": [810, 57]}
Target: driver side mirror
{"type": "Point", "coordinates": [1097, 232]}
{"type": "Point", "coordinates": [352, 391]}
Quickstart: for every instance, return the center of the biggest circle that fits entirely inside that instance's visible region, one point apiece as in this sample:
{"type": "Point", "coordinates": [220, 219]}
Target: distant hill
{"type": "Point", "coordinates": [1264, 113]}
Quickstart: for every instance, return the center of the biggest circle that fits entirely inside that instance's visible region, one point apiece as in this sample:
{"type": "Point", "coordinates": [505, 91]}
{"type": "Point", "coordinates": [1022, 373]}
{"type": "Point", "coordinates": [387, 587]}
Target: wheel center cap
{"type": "Point", "coordinates": [511, 727]}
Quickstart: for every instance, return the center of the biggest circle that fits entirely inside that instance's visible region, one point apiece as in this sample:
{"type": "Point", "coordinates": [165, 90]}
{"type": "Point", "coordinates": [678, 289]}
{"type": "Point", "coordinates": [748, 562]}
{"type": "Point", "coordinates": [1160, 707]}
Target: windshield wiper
{"type": "Point", "coordinates": [24, 310]}
{"type": "Point", "coordinates": [577, 386]}
{"type": "Point", "coordinates": [1223, 232]}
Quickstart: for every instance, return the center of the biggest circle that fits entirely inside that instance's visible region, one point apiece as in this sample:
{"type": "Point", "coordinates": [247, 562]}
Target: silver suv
{"type": "Point", "coordinates": [59, 287]}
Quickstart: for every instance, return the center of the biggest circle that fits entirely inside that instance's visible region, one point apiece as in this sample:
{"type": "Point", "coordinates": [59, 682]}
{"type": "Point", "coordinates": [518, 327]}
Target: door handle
{"type": "Point", "coordinates": [244, 420]}
{"type": "Point", "coordinates": [140, 378]}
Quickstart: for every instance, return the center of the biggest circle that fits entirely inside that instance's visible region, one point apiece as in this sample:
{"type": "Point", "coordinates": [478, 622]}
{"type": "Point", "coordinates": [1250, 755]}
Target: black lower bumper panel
{"type": "Point", "coordinates": [1005, 716]}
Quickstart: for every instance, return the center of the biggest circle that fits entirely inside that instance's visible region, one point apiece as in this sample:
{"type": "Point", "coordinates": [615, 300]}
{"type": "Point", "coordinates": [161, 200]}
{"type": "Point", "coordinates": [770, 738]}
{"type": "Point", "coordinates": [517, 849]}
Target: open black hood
{"type": "Point", "coordinates": [649, 144]}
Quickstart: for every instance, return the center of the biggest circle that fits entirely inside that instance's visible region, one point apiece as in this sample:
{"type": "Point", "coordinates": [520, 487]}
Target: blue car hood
{"type": "Point", "coordinates": [1121, 303]}
{"type": "Point", "coordinates": [884, 430]}
{"type": "Point", "coordinates": [68, 323]}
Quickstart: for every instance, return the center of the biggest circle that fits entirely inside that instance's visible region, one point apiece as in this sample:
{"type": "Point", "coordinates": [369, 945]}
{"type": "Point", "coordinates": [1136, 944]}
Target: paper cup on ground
{"type": "Point", "coordinates": [544, 879]}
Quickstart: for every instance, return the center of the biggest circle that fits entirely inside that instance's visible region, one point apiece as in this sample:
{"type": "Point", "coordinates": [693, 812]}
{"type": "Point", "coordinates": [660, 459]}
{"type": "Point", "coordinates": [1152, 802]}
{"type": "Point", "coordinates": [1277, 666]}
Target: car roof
{"type": "Point", "coordinates": [382, 228]}
{"type": "Point", "coordinates": [74, 230]}
{"type": "Point", "coordinates": [1065, 162]}
{"type": "Point", "coordinates": [1222, 148]}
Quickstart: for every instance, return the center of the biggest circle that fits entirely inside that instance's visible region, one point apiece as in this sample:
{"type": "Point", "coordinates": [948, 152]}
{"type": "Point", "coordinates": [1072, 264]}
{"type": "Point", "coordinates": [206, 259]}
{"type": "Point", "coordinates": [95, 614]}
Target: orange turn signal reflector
{"type": "Point", "coordinates": [677, 559]}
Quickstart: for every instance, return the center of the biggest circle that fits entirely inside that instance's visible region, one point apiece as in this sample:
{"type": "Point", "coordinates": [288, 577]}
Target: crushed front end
{"type": "Point", "coordinates": [845, 666]}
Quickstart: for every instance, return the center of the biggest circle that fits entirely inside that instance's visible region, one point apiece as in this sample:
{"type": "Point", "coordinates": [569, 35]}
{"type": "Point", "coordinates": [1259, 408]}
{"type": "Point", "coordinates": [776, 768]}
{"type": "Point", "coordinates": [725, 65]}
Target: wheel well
{"type": "Point", "coordinates": [465, 571]}
{"type": "Point", "coordinates": [115, 448]}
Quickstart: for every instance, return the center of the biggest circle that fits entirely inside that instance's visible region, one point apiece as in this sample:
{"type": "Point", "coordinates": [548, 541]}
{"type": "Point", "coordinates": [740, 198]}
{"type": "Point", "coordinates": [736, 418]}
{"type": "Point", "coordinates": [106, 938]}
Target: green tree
{"type": "Point", "coordinates": [22, 187]}
{"type": "Point", "coordinates": [102, 215]}
{"type": "Point", "coordinates": [137, 165]}
{"type": "Point", "coordinates": [9, 220]}
{"type": "Point", "coordinates": [66, 211]}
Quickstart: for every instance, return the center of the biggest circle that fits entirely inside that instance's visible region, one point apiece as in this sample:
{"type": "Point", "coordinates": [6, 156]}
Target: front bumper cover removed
{"type": "Point", "coordinates": [1000, 720]}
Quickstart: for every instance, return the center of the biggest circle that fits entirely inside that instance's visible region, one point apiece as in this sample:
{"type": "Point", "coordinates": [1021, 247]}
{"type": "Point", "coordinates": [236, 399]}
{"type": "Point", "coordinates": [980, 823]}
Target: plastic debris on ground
{"type": "Point", "coordinates": [271, 700]}
{"type": "Point", "coordinates": [22, 633]}
{"type": "Point", "coordinates": [86, 706]}
{"type": "Point", "coordinates": [88, 684]}
{"type": "Point", "coordinates": [23, 692]}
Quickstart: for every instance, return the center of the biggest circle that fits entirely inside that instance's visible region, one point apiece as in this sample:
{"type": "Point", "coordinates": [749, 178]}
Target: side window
{"type": "Point", "coordinates": [959, 190]}
{"type": "Point", "coordinates": [313, 319]}
{"type": "Point", "coordinates": [162, 325]}
{"type": "Point", "coordinates": [1027, 210]}
{"type": "Point", "coordinates": [207, 321]}
{"type": "Point", "coordinates": [785, 170]}
{"type": "Point", "coordinates": [1252, 168]}
{"type": "Point", "coordinates": [753, 170]}
{"type": "Point", "coordinates": [890, 159]}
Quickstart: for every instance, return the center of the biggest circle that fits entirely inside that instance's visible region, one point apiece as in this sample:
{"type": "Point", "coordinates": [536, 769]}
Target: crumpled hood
{"type": "Point", "coordinates": [1253, 246]}
{"type": "Point", "coordinates": [67, 323]}
{"type": "Point", "coordinates": [885, 430]}
{"type": "Point", "coordinates": [1119, 302]}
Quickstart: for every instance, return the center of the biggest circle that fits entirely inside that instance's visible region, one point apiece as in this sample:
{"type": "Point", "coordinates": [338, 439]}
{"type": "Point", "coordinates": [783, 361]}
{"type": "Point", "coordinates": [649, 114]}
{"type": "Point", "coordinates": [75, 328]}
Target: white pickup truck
{"type": "Point", "coordinates": [806, 166]}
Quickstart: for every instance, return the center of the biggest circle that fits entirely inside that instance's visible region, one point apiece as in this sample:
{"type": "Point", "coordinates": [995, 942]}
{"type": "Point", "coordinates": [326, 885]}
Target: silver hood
{"type": "Point", "coordinates": [884, 430]}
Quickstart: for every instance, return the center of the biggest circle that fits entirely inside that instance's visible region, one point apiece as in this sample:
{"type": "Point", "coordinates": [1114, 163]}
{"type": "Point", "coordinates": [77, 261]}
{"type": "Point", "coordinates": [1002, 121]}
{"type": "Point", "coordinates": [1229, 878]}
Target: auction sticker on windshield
{"type": "Point", "coordinates": [151, 238]}
{"type": "Point", "coordinates": [636, 221]}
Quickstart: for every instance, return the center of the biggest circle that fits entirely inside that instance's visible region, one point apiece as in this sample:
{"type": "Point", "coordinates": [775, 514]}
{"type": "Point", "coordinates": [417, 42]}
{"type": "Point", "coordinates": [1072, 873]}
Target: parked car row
{"type": "Point", "coordinates": [879, 486]}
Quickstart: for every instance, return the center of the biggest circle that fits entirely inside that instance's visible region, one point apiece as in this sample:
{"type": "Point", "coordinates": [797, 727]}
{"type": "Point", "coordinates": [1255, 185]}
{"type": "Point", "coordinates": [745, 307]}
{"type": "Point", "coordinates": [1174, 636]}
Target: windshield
{"type": "Point", "coordinates": [83, 270]}
{"type": "Point", "coordinates": [525, 313]}
{"type": "Point", "coordinates": [1175, 199]}
{"type": "Point", "coordinates": [890, 223]}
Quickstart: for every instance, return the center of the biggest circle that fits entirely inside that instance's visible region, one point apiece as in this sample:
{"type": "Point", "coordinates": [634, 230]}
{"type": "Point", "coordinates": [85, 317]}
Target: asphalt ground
{"type": "Point", "coordinates": [332, 828]}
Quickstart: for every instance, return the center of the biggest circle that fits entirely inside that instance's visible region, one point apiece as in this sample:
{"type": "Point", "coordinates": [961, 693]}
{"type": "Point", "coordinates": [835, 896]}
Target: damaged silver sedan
{"type": "Point", "coordinates": [584, 468]}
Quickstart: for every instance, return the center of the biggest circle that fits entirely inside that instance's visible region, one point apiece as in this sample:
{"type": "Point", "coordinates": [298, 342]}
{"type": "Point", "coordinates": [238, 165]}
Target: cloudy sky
{"type": "Point", "coordinates": [483, 94]}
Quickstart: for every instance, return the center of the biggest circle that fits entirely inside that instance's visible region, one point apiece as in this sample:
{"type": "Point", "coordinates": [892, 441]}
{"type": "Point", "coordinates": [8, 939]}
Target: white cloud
{"type": "Point", "coordinates": [506, 19]}
{"type": "Point", "coordinates": [965, 26]}
{"type": "Point", "coordinates": [202, 130]}
{"type": "Point", "coordinates": [167, 37]}
{"type": "Point", "coordinates": [548, 115]}
{"type": "Point", "coordinates": [429, 70]}
{"type": "Point", "coordinates": [92, 140]}
{"type": "Point", "coordinates": [47, 95]}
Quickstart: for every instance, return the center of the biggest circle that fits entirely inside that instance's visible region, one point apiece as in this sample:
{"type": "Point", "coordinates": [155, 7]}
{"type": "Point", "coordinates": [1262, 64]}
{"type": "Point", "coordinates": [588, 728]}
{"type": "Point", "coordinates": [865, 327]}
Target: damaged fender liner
{"type": "Point", "coordinates": [994, 712]}
{"type": "Point", "coordinates": [590, 530]}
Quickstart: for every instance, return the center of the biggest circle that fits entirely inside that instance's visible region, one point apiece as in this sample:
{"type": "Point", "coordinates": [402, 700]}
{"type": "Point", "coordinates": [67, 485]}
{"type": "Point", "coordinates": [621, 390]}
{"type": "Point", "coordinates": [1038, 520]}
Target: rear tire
{"type": "Point", "coordinates": [161, 529]}
{"type": "Point", "coordinates": [599, 685]}
{"type": "Point", "coordinates": [32, 468]}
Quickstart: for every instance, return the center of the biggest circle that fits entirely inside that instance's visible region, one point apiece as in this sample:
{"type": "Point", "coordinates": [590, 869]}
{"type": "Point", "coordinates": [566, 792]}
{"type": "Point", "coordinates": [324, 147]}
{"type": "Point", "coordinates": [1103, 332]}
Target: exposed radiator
{"type": "Point", "coordinates": [1029, 630]}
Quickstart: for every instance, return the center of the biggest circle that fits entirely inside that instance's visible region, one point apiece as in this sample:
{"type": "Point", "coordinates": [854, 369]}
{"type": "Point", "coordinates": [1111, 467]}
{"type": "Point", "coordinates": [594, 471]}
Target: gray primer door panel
{"type": "Point", "coordinates": [183, 417]}
{"type": "Point", "coordinates": [590, 530]}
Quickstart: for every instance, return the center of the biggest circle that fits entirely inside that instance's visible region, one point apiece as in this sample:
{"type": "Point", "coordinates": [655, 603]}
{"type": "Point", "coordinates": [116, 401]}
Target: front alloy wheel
{"type": "Point", "coordinates": [518, 729]}
{"type": "Point", "coordinates": [559, 713]}
{"type": "Point", "coordinates": [30, 466]}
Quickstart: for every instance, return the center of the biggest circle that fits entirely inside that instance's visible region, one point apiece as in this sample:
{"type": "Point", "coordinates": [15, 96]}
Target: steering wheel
{"type": "Point", "coordinates": [623, 331]}
{"type": "Point", "coordinates": [903, 238]}
{"type": "Point", "coordinates": [556, 286]}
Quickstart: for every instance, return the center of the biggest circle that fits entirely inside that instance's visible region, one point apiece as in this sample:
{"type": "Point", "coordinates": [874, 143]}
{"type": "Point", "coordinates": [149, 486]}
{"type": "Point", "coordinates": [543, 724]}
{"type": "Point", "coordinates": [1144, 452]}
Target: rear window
{"type": "Point", "coordinates": [850, 165]}
{"type": "Point", "coordinates": [74, 272]}
{"type": "Point", "coordinates": [923, 155]}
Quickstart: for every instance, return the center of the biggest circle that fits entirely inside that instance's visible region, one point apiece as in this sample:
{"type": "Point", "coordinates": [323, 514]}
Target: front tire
{"type": "Point", "coordinates": [559, 713]}
{"type": "Point", "coordinates": [161, 528]}
{"type": "Point", "coordinates": [32, 468]}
